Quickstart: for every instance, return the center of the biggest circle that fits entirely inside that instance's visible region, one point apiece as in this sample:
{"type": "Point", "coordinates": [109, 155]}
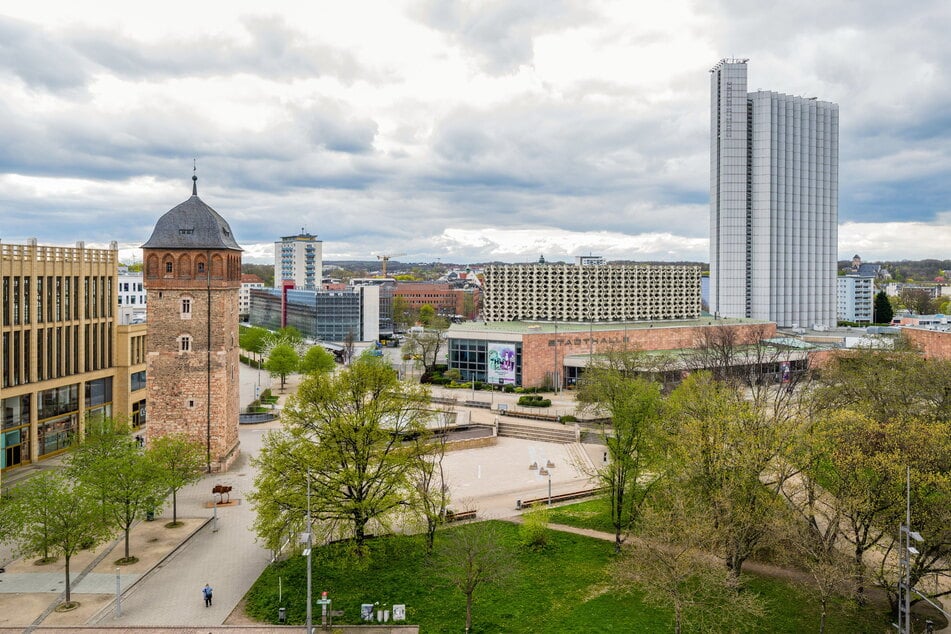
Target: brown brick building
{"type": "Point", "coordinates": [447, 301]}
{"type": "Point", "coordinates": [531, 353]}
{"type": "Point", "coordinates": [192, 275]}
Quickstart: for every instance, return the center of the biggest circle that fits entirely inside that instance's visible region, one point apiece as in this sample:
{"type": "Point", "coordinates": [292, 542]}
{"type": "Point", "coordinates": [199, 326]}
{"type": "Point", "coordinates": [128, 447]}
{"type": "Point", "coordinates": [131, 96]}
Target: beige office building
{"type": "Point", "coordinates": [64, 357]}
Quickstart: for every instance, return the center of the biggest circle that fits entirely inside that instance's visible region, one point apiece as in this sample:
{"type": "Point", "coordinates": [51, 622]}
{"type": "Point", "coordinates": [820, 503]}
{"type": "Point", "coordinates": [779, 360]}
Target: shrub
{"type": "Point", "coordinates": [534, 528]}
{"type": "Point", "coordinates": [533, 400]}
{"type": "Point", "coordinates": [509, 389]}
{"type": "Point", "coordinates": [453, 374]}
{"type": "Point", "coordinates": [568, 418]}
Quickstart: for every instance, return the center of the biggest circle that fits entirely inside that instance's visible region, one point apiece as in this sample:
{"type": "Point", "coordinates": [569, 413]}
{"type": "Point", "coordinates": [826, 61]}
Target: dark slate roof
{"type": "Point", "coordinates": [192, 225]}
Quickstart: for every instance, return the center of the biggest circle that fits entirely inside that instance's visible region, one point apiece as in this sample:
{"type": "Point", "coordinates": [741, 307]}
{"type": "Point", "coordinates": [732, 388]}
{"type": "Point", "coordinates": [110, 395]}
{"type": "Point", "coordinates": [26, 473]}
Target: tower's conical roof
{"type": "Point", "coordinates": [192, 225]}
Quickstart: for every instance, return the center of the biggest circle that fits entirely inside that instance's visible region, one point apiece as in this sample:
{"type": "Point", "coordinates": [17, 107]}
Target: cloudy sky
{"type": "Point", "coordinates": [461, 131]}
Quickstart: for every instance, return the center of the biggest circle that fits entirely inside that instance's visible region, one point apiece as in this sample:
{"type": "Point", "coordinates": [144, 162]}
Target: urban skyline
{"type": "Point", "coordinates": [454, 132]}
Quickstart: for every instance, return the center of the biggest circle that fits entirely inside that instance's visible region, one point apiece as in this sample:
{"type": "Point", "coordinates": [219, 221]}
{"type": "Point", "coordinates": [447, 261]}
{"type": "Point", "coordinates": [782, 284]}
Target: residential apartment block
{"type": "Point", "coordinates": [774, 190]}
{"type": "Point", "coordinates": [248, 281]}
{"type": "Point", "coordinates": [299, 259]}
{"type": "Point", "coordinates": [603, 293]}
{"type": "Point", "coordinates": [65, 358]}
{"type": "Point", "coordinates": [856, 298]}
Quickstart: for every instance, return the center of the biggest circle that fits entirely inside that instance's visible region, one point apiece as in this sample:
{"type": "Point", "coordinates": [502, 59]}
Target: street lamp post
{"type": "Point", "coordinates": [549, 487]}
{"type": "Point", "coordinates": [310, 544]}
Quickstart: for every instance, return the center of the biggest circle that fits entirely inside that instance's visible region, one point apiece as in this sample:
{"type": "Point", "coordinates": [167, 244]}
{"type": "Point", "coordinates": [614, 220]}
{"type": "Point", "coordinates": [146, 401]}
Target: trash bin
{"type": "Point", "coordinates": [149, 515]}
{"type": "Point", "coordinates": [518, 505]}
{"type": "Point", "coordinates": [282, 615]}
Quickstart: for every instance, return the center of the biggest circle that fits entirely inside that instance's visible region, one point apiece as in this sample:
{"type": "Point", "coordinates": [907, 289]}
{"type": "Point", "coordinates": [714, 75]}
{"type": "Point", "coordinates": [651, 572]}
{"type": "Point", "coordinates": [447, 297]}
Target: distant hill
{"type": "Point", "coordinates": [911, 270]}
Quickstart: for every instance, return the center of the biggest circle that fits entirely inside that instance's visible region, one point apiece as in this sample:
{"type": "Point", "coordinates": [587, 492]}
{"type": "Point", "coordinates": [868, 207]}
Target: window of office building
{"type": "Point", "coordinates": [15, 431]}
{"type": "Point", "coordinates": [137, 381]}
{"type": "Point", "coordinates": [58, 416]}
{"type": "Point", "coordinates": [138, 413]}
{"type": "Point", "coordinates": [55, 434]}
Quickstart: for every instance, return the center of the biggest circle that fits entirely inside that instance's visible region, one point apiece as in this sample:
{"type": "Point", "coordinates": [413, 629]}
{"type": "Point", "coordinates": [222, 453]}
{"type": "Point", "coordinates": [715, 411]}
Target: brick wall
{"type": "Point", "coordinates": [933, 343]}
{"type": "Point", "coordinates": [181, 398]}
{"type": "Point", "coordinates": [538, 356]}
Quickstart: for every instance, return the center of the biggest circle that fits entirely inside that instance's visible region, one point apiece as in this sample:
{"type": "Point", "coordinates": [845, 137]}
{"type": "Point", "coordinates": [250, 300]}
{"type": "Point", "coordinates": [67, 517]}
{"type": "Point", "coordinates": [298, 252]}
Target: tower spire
{"type": "Point", "coordinates": [194, 177]}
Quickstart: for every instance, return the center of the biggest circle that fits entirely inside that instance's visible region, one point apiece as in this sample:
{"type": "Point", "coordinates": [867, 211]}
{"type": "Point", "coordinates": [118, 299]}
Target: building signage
{"type": "Point", "coordinates": [584, 341]}
{"type": "Point", "coordinates": [500, 368]}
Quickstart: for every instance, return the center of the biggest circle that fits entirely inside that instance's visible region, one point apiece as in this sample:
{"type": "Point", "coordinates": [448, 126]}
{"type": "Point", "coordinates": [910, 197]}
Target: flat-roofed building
{"type": "Point", "coordinates": [597, 293]}
{"type": "Point", "coordinates": [64, 357]}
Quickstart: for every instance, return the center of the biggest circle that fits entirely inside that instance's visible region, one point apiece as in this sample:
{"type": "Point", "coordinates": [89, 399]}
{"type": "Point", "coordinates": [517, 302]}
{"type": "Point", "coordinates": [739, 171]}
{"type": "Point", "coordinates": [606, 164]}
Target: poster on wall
{"type": "Point", "coordinates": [501, 364]}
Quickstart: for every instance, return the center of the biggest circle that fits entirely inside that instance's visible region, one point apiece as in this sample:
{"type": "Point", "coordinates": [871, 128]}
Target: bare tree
{"type": "Point", "coordinates": [472, 556]}
{"type": "Point", "coordinates": [430, 491]}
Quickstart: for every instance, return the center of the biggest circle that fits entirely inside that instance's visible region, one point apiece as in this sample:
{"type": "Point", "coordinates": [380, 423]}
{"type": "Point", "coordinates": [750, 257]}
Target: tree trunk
{"type": "Point", "coordinates": [174, 506]}
{"type": "Point", "coordinates": [822, 615]}
{"type": "Point", "coordinates": [128, 529]}
{"type": "Point", "coordinates": [468, 611]}
{"type": "Point", "coordinates": [67, 580]}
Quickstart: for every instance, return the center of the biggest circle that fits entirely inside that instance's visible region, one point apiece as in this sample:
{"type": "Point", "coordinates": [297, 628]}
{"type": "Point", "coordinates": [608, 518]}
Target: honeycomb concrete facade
{"type": "Point", "coordinates": [193, 332]}
{"type": "Point", "coordinates": [607, 293]}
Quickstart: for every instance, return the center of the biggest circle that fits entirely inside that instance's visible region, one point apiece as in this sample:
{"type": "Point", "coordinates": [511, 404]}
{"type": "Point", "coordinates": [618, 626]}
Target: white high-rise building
{"type": "Point", "coordinates": [299, 259]}
{"type": "Point", "coordinates": [774, 202]}
{"type": "Point", "coordinates": [856, 295]}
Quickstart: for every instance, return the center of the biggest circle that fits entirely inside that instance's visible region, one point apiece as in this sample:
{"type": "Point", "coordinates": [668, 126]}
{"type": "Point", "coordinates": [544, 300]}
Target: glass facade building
{"type": "Point", "coordinates": [471, 356]}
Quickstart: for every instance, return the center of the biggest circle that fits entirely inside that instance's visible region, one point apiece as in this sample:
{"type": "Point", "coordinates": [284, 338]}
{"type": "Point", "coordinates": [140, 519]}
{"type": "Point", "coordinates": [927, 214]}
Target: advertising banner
{"type": "Point", "coordinates": [501, 364]}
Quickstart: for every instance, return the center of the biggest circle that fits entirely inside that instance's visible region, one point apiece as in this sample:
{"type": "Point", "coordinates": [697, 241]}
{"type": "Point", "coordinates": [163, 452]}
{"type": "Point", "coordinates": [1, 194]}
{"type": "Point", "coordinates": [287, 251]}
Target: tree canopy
{"type": "Point", "coordinates": [344, 433]}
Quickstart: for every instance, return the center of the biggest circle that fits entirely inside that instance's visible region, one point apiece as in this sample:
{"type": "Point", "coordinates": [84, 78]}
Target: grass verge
{"type": "Point", "coordinates": [561, 588]}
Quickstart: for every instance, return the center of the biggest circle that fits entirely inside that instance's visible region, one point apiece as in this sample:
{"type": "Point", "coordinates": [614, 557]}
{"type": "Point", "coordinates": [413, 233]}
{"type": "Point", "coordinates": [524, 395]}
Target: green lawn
{"type": "Point", "coordinates": [560, 589]}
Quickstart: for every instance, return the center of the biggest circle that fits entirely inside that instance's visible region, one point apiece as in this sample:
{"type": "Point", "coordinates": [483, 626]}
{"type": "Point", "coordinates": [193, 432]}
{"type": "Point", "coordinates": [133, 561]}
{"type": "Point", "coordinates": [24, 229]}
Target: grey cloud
{"type": "Point", "coordinates": [500, 32]}
{"type": "Point", "coordinates": [39, 59]}
{"type": "Point", "coordinates": [275, 51]}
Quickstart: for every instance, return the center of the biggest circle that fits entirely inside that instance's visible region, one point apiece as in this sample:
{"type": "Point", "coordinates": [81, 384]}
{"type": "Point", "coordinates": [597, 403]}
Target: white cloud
{"type": "Point", "coordinates": [446, 128]}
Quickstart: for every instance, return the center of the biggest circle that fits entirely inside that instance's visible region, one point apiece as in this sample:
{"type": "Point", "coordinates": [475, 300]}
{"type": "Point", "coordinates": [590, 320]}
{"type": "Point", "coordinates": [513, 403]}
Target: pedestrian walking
{"type": "Point", "coordinates": [206, 591]}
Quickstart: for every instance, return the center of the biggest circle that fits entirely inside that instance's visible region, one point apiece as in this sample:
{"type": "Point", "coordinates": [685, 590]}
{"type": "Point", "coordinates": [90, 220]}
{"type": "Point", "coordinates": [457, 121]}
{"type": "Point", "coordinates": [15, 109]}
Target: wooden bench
{"type": "Point", "coordinates": [458, 516]}
{"type": "Point", "coordinates": [561, 497]}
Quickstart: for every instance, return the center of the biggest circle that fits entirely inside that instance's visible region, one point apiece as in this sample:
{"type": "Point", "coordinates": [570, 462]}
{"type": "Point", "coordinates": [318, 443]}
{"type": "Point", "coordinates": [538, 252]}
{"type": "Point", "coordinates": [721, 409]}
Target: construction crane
{"type": "Point", "coordinates": [386, 258]}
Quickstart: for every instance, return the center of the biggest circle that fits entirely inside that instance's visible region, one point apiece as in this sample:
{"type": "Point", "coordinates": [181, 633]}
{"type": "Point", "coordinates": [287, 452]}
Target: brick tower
{"type": "Point", "coordinates": [192, 275]}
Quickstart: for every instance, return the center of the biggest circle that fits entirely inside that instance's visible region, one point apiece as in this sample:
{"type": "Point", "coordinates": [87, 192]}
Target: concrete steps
{"type": "Point", "coordinates": [546, 432]}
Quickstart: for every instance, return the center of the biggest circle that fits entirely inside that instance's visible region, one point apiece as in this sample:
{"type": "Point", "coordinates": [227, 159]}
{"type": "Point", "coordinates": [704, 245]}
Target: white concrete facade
{"type": "Point", "coordinates": [774, 162]}
{"type": "Point", "coordinates": [856, 298]}
{"type": "Point", "coordinates": [603, 293]}
{"type": "Point", "coordinates": [299, 259]}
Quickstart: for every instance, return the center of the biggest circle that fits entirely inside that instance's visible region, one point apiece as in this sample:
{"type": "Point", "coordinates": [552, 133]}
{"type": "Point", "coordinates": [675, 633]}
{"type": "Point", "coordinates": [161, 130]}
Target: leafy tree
{"type": "Point", "coordinates": [471, 556]}
{"type": "Point", "coordinates": [254, 339]}
{"type": "Point", "coordinates": [346, 430]}
{"type": "Point", "coordinates": [403, 314]}
{"type": "Point", "coordinates": [721, 447]}
{"type": "Point", "coordinates": [634, 406]}
{"type": "Point", "coordinates": [111, 463]}
{"type": "Point", "coordinates": [180, 462]}
{"type": "Point", "coordinates": [670, 565]}
{"type": "Point", "coordinates": [289, 335]}
{"type": "Point", "coordinates": [883, 309]}
{"type": "Point", "coordinates": [427, 315]}
{"type": "Point", "coordinates": [58, 516]}
{"type": "Point", "coordinates": [317, 359]}
{"type": "Point", "coordinates": [282, 360]}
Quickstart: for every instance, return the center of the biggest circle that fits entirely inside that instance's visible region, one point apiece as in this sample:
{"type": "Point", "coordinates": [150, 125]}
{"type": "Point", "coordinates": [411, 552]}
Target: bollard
{"type": "Point", "coordinates": [518, 505]}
